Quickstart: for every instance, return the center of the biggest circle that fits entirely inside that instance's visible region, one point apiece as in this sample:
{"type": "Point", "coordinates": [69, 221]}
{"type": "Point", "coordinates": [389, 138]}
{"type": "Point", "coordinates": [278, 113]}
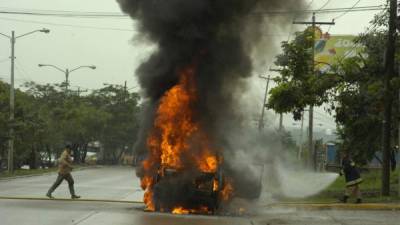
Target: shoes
{"type": "Point", "coordinates": [358, 201]}
{"type": "Point", "coordinates": [49, 196]}
{"type": "Point", "coordinates": [75, 196]}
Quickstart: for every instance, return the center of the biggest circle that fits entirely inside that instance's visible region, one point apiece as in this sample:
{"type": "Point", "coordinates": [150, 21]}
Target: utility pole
{"type": "Point", "coordinates": [125, 91]}
{"type": "Point", "coordinates": [301, 137]}
{"type": "Point", "coordinates": [261, 123]}
{"type": "Point", "coordinates": [311, 146]}
{"type": "Point", "coordinates": [280, 114]}
{"type": "Point", "coordinates": [388, 99]}
{"type": "Point", "coordinates": [13, 40]}
{"type": "Point", "coordinates": [12, 107]}
{"type": "Point", "coordinates": [398, 144]}
{"type": "Point", "coordinates": [66, 80]}
{"type": "Point", "coordinates": [79, 91]}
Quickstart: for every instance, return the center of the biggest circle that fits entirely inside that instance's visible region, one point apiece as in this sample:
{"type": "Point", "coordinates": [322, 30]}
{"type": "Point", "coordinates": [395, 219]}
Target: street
{"type": "Point", "coordinates": [120, 183]}
{"type": "Point", "coordinates": [106, 183]}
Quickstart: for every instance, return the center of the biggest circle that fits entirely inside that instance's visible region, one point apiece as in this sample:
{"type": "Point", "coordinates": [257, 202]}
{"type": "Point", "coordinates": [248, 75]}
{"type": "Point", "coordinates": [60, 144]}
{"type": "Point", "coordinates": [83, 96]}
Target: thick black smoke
{"type": "Point", "coordinates": [219, 35]}
{"type": "Point", "coordinates": [216, 32]}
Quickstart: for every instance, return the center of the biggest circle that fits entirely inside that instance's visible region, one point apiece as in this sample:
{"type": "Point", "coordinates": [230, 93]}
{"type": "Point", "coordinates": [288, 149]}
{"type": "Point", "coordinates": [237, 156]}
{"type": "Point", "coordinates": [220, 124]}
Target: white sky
{"type": "Point", "coordinates": [112, 51]}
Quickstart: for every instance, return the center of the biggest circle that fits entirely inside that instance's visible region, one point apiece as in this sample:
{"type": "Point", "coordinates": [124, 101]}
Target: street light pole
{"type": "Point", "coordinates": [66, 80]}
{"type": "Point", "coordinates": [67, 72]}
{"type": "Point", "coordinates": [12, 107]}
{"type": "Point", "coordinates": [13, 39]}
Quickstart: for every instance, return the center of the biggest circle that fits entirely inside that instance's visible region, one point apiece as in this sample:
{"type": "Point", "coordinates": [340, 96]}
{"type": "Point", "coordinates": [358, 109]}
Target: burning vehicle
{"type": "Point", "coordinates": [202, 193]}
{"type": "Point", "coordinates": [182, 171]}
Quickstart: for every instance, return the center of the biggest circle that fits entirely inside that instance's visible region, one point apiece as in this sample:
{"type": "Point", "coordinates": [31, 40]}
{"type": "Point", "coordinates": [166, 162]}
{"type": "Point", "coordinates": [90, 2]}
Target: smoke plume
{"type": "Point", "coordinates": [221, 38]}
{"type": "Point", "coordinates": [221, 34]}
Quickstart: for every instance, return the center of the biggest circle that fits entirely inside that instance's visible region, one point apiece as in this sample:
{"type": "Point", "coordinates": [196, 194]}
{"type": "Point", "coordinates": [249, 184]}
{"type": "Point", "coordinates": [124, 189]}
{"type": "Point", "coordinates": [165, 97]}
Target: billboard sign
{"type": "Point", "coordinates": [331, 48]}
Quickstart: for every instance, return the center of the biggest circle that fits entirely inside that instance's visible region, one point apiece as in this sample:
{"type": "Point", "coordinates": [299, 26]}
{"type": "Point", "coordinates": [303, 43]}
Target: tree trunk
{"type": "Point", "coordinates": [49, 158]}
{"type": "Point", "coordinates": [75, 149]}
{"type": "Point", "coordinates": [84, 153]}
{"type": "Point", "coordinates": [120, 155]}
{"type": "Point", "coordinates": [32, 158]}
{"type": "Point", "coordinates": [114, 158]}
{"type": "Point", "coordinates": [388, 99]}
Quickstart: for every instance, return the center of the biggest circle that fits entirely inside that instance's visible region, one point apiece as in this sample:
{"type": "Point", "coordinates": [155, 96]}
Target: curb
{"type": "Point", "coordinates": [69, 200]}
{"type": "Point", "coordinates": [337, 206]}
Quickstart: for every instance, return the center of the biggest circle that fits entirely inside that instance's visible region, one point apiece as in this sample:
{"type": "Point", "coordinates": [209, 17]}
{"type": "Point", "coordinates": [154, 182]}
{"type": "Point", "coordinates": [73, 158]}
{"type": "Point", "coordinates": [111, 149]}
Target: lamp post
{"type": "Point", "coordinates": [13, 39]}
{"type": "Point", "coordinates": [67, 72]}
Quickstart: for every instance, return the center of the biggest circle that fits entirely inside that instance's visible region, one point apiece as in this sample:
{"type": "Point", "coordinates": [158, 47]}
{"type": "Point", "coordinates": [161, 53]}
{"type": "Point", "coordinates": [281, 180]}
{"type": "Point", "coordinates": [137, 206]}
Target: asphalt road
{"type": "Point", "coordinates": [116, 183]}
{"type": "Point", "coordinates": [121, 184]}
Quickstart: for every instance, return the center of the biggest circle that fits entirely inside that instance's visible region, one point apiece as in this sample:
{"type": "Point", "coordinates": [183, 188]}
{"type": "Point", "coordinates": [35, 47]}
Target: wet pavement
{"type": "Point", "coordinates": [121, 184]}
{"type": "Point", "coordinates": [115, 183]}
{"type": "Point", "coordinates": [327, 217]}
{"type": "Point", "coordinates": [95, 213]}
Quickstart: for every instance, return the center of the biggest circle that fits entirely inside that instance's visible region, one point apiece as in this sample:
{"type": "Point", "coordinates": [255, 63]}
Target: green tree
{"type": "Point", "coordinates": [46, 118]}
{"type": "Point", "coordinates": [298, 86]}
{"type": "Point", "coordinates": [120, 129]}
{"type": "Point", "coordinates": [353, 89]}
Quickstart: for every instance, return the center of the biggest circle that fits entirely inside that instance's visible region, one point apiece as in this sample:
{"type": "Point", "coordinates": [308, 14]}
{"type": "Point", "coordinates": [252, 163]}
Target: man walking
{"type": "Point", "coordinates": [64, 173]}
{"type": "Point", "coordinates": [352, 177]}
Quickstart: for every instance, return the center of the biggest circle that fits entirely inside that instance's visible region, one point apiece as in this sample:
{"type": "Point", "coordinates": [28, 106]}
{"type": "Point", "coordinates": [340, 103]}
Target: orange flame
{"type": "Point", "coordinates": [215, 185]}
{"type": "Point", "coordinates": [227, 190]}
{"type": "Point", "coordinates": [177, 140]}
{"type": "Point", "coordinates": [180, 210]}
{"type": "Point", "coordinates": [183, 211]}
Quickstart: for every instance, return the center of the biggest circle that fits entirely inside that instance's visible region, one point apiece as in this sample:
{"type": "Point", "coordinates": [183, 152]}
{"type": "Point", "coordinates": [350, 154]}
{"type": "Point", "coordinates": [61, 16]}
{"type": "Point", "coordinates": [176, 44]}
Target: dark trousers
{"type": "Point", "coordinates": [60, 179]}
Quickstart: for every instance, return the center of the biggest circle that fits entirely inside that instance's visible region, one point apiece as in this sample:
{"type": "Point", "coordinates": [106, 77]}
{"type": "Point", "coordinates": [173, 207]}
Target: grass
{"type": "Point", "coordinates": [370, 189]}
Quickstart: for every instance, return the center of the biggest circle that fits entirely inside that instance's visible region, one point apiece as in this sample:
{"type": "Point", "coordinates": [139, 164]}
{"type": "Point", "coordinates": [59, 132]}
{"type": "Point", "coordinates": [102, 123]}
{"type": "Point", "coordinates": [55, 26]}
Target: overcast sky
{"type": "Point", "coordinates": [107, 43]}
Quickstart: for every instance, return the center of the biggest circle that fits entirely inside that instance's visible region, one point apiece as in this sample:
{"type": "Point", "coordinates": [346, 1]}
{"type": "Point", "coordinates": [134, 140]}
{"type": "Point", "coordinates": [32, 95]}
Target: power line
{"type": "Point", "coordinates": [370, 27]}
{"type": "Point", "coordinates": [87, 15]}
{"type": "Point", "coordinates": [65, 25]}
{"type": "Point", "coordinates": [344, 13]}
{"type": "Point", "coordinates": [326, 3]}
{"type": "Point", "coordinates": [295, 17]}
{"type": "Point", "coordinates": [22, 70]}
{"type": "Point", "coordinates": [326, 11]}
{"type": "Point", "coordinates": [95, 15]}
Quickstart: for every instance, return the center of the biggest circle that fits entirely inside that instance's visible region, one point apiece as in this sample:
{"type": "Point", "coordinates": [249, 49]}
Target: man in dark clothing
{"type": "Point", "coordinates": [64, 173]}
{"type": "Point", "coordinates": [352, 177]}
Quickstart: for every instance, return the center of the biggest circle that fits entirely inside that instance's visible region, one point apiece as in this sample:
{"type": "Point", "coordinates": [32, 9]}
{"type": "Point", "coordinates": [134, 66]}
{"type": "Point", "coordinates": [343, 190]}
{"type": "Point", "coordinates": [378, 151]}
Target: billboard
{"type": "Point", "coordinates": [331, 48]}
